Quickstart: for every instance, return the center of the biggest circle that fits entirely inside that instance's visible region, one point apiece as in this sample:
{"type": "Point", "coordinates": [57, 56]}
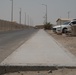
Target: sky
{"type": "Point", "coordinates": [36, 11]}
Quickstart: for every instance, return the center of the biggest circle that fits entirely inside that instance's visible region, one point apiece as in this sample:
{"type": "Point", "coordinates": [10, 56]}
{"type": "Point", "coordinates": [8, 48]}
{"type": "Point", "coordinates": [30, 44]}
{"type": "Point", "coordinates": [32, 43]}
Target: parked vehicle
{"type": "Point", "coordinates": [66, 27]}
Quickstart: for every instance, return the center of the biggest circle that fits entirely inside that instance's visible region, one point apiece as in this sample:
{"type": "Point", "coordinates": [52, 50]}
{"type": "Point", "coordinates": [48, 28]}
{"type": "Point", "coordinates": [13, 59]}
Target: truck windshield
{"type": "Point", "coordinates": [66, 23]}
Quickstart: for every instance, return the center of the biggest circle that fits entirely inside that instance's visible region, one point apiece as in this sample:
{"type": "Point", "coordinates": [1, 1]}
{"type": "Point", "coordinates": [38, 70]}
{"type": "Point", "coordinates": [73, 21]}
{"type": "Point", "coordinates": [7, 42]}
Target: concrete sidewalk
{"type": "Point", "coordinates": [40, 50]}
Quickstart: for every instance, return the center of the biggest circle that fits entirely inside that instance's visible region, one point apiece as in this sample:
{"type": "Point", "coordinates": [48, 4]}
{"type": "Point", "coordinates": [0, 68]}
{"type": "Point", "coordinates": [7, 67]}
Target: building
{"type": "Point", "coordinates": [60, 21]}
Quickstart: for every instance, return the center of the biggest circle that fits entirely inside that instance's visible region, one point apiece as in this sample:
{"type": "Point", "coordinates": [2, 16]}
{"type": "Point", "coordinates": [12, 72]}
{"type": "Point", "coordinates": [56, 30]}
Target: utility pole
{"type": "Point", "coordinates": [28, 20]}
{"type": "Point", "coordinates": [68, 14]}
{"type": "Point", "coordinates": [20, 16]}
{"type": "Point", "coordinates": [46, 12]}
{"type": "Point", "coordinates": [25, 18]}
{"type": "Point", "coordinates": [12, 11]}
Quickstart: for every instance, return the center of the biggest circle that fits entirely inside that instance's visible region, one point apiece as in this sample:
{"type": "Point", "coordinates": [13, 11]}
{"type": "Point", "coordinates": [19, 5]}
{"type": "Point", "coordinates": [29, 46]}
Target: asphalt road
{"type": "Point", "coordinates": [11, 40]}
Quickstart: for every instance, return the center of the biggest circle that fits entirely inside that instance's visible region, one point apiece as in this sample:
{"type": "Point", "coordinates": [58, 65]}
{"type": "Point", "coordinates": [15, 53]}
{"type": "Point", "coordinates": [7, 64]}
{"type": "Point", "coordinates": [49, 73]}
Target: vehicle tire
{"type": "Point", "coordinates": [64, 30]}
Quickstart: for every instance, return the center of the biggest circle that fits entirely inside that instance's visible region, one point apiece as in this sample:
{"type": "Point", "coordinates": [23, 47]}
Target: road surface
{"type": "Point", "coordinates": [40, 50]}
{"type": "Point", "coordinates": [11, 40]}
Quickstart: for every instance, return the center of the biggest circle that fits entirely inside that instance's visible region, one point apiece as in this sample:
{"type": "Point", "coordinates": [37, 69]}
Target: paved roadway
{"type": "Point", "coordinates": [40, 50]}
{"type": "Point", "coordinates": [11, 40]}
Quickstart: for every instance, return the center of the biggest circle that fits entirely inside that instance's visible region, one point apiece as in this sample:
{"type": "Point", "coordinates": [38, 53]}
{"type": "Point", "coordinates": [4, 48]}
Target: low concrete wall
{"type": "Point", "coordinates": [7, 25]}
{"type": "Point", "coordinates": [12, 69]}
{"type": "Point", "coordinates": [74, 30]}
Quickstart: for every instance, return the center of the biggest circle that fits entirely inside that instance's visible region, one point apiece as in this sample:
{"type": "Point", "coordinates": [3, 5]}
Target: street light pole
{"type": "Point", "coordinates": [12, 11]}
{"type": "Point", "coordinates": [68, 14]}
{"type": "Point", "coordinates": [28, 20]}
{"type": "Point", "coordinates": [46, 14]}
{"type": "Point", "coordinates": [25, 18]}
{"type": "Point", "coordinates": [20, 15]}
{"type": "Point", "coordinates": [46, 11]}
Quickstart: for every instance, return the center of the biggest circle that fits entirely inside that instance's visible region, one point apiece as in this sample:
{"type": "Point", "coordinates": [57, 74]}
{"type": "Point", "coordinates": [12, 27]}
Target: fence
{"type": "Point", "coordinates": [7, 25]}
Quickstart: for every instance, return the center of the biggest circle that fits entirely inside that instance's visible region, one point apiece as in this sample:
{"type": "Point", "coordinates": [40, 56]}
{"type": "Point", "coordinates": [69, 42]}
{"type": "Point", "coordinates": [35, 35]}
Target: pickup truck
{"type": "Point", "coordinates": [66, 27]}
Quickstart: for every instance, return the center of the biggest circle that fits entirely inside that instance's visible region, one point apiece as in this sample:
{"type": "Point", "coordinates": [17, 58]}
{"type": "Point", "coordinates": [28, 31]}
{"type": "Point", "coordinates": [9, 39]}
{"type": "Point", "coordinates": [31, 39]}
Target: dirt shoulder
{"type": "Point", "coordinates": [69, 42]}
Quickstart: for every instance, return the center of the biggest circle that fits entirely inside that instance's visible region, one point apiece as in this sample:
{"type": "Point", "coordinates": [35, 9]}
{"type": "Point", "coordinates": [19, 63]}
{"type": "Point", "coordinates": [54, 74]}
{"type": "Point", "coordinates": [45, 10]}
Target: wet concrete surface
{"type": "Point", "coordinates": [40, 50]}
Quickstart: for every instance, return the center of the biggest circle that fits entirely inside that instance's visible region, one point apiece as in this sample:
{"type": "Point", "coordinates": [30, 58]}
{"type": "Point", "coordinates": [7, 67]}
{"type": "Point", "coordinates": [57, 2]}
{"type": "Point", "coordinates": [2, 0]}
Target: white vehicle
{"type": "Point", "coordinates": [66, 27]}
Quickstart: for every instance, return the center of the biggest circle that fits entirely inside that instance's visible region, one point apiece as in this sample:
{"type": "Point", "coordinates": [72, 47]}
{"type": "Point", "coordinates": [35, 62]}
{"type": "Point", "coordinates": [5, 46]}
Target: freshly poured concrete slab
{"type": "Point", "coordinates": [40, 50]}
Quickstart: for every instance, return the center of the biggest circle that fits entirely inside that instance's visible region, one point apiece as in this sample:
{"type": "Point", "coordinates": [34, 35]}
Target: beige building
{"type": "Point", "coordinates": [60, 21]}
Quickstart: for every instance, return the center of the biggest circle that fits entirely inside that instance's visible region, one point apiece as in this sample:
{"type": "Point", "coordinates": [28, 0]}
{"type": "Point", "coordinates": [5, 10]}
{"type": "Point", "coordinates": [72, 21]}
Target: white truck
{"type": "Point", "coordinates": [66, 27]}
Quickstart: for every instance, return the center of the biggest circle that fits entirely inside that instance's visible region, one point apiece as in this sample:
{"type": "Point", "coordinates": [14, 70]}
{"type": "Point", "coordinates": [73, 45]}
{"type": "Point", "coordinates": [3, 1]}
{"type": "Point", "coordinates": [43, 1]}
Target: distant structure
{"type": "Point", "coordinates": [62, 20]}
{"type": "Point", "coordinates": [39, 26]}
